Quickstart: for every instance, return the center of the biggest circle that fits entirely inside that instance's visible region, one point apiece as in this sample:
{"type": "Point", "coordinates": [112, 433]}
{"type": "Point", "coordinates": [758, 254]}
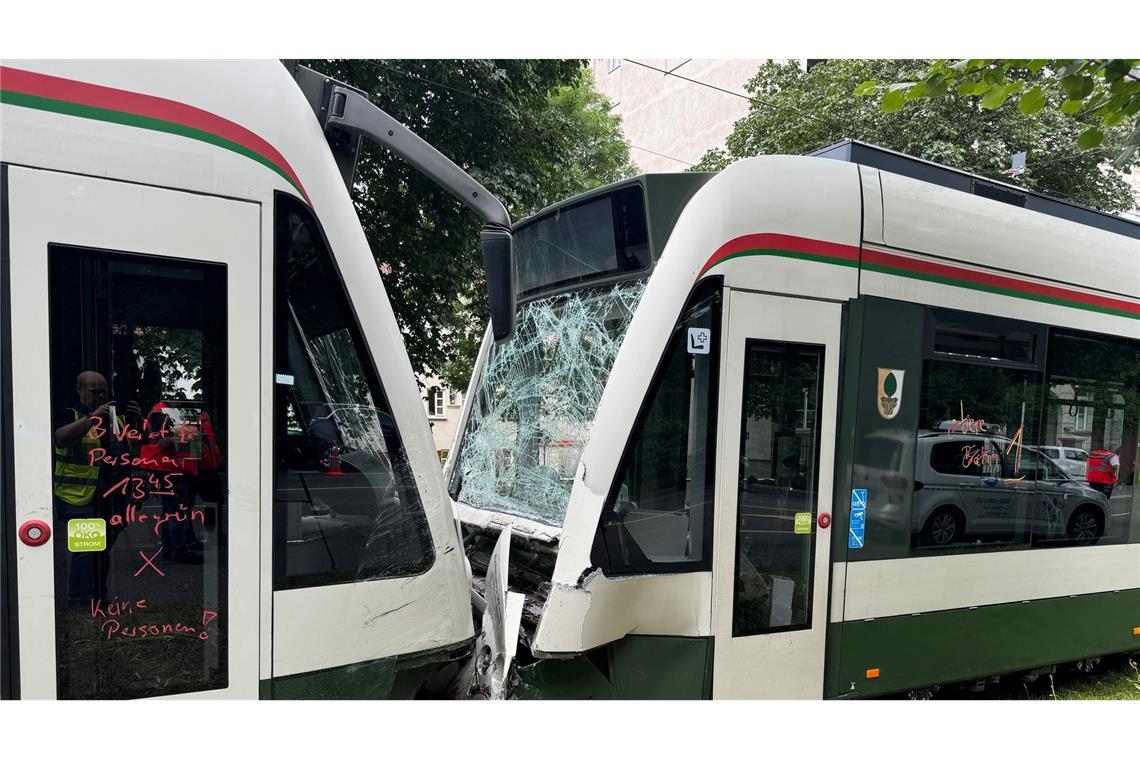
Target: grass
{"type": "Point", "coordinates": [1120, 682]}
{"type": "Point", "coordinates": [1115, 677]}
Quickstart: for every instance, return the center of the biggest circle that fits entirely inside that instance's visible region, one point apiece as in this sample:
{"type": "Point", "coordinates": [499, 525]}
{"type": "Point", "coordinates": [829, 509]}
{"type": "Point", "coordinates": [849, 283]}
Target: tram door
{"type": "Point", "coordinates": [776, 442]}
{"type": "Point", "coordinates": [134, 408]}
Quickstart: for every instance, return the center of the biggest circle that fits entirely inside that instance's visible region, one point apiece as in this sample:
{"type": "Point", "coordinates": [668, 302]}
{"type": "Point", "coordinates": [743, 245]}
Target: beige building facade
{"type": "Point", "coordinates": [669, 121]}
{"type": "Point", "coordinates": [443, 406]}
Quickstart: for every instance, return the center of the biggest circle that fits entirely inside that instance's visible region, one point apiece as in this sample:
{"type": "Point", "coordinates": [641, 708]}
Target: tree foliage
{"type": "Point", "coordinates": [531, 131]}
{"type": "Point", "coordinates": [1106, 91]}
{"type": "Point", "coordinates": [796, 111]}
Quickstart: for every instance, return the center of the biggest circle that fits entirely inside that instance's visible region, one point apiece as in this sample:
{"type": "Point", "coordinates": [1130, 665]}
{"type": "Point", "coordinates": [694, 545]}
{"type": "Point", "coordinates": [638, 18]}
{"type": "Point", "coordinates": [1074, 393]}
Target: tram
{"type": "Point", "coordinates": [790, 431]}
{"type": "Point", "coordinates": [218, 478]}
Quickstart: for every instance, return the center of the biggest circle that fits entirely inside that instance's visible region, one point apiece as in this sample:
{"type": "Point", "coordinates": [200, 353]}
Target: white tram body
{"type": "Point", "coordinates": [187, 161]}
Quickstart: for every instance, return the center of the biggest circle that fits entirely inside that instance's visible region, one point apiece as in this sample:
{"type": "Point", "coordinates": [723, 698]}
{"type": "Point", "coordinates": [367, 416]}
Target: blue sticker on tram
{"type": "Point", "coordinates": [858, 520]}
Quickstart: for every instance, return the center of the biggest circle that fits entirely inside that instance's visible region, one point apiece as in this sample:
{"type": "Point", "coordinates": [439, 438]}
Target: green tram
{"type": "Point", "coordinates": [840, 425]}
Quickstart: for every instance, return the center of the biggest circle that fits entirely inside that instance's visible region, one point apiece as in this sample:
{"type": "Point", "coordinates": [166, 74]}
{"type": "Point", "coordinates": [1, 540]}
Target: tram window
{"type": "Point", "coordinates": [658, 517]}
{"type": "Point", "coordinates": [139, 429]}
{"type": "Point", "coordinates": [346, 507]}
{"type": "Point", "coordinates": [1090, 423]}
{"type": "Point", "coordinates": [975, 462]}
{"type": "Point", "coordinates": [975, 337]}
{"type": "Point", "coordinates": [777, 487]}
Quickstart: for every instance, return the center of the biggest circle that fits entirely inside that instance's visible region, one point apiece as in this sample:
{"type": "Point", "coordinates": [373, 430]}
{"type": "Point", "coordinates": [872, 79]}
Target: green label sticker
{"type": "Point", "coordinates": [87, 535]}
{"type": "Point", "coordinates": [803, 522]}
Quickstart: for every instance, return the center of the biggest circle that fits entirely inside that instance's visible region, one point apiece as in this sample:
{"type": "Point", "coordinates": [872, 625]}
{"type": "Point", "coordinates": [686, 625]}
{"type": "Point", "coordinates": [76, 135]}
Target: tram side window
{"type": "Point", "coordinates": [346, 507]}
{"type": "Point", "coordinates": [658, 517]}
{"type": "Point", "coordinates": [1089, 437]}
{"type": "Point", "coordinates": [976, 464]}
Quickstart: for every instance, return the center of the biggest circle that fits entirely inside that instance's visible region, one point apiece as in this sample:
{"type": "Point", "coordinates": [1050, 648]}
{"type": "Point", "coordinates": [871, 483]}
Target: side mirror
{"type": "Point", "coordinates": [499, 264]}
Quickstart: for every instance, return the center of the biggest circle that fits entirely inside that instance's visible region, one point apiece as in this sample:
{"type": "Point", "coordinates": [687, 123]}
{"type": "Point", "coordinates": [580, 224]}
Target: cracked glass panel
{"type": "Point", "coordinates": [536, 401]}
{"type": "Point", "coordinates": [346, 505]}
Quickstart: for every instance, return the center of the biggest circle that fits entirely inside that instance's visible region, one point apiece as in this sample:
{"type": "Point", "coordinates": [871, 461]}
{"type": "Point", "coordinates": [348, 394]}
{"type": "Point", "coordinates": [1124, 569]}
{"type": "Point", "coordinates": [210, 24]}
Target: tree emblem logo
{"type": "Point", "coordinates": [889, 394]}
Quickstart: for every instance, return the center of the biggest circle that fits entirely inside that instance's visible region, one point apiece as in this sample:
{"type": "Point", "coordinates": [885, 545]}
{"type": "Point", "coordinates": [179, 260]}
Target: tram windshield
{"type": "Point", "coordinates": [536, 399]}
{"type": "Point", "coordinates": [538, 392]}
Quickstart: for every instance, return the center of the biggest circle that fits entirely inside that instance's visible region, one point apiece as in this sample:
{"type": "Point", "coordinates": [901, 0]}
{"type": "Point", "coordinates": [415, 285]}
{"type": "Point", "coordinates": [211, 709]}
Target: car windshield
{"type": "Point", "coordinates": [536, 399]}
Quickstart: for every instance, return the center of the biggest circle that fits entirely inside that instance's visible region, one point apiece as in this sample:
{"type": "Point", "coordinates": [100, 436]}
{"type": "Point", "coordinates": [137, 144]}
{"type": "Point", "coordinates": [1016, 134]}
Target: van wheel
{"type": "Point", "coordinates": [942, 528]}
{"type": "Point", "coordinates": [1085, 526]}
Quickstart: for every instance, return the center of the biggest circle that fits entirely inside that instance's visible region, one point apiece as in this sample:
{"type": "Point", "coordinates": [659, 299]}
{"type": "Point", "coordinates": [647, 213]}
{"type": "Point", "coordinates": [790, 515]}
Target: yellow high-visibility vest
{"type": "Point", "coordinates": [75, 477]}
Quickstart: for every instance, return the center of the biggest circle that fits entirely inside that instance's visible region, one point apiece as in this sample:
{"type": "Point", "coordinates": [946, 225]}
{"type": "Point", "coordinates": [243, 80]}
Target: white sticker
{"type": "Point", "coordinates": [700, 338]}
{"type": "Point", "coordinates": [284, 379]}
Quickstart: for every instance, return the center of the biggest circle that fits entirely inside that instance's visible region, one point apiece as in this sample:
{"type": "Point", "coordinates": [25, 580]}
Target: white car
{"type": "Point", "coordinates": [1071, 461]}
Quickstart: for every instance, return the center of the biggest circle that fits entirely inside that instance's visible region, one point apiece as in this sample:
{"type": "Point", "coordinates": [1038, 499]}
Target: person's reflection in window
{"type": "Point", "coordinates": [87, 465]}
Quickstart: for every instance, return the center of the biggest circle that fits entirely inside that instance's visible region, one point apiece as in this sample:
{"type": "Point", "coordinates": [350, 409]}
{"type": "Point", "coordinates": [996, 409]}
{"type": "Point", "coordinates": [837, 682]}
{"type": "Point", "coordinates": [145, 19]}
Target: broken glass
{"type": "Point", "coordinates": [536, 401]}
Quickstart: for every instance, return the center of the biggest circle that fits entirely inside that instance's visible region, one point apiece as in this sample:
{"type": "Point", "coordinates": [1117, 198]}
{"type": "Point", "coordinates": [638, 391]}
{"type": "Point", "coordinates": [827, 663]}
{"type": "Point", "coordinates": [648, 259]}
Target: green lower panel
{"type": "Point", "coordinates": [574, 678]}
{"type": "Point", "coordinates": [913, 651]}
{"type": "Point", "coordinates": [635, 667]}
{"type": "Point", "coordinates": [662, 667]}
{"type": "Point", "coordinates": [390, 678]}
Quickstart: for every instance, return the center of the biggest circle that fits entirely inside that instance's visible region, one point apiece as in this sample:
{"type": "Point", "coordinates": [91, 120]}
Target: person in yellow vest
{"type": "Point", "coordinates": [79, 482]}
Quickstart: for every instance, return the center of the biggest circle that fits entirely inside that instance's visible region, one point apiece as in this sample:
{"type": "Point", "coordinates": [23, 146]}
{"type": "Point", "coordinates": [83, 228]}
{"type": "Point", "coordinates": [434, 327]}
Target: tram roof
{"type": "Point", "coordinates": [866, 154]}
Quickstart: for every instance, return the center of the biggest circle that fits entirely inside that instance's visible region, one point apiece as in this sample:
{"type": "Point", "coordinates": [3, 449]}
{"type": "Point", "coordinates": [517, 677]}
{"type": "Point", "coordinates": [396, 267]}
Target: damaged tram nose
{"type": "Point", "coordinates": [488, 673]}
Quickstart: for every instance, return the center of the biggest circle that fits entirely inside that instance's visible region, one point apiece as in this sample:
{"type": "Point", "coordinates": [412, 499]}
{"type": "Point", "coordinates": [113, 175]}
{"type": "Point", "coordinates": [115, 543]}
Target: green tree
{"type": "Point", "coordinates": [795, 111]}
{"type": "Point", "coordinates": [531, 131]}
{"type": "Point", "coordinates": [1106, 92]}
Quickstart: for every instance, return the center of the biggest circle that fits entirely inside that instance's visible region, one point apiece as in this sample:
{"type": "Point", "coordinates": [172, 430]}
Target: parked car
{"type": "Point", "coordinates": [969, 487]}
{"type": "Point", "coordinates": [1072, 461]}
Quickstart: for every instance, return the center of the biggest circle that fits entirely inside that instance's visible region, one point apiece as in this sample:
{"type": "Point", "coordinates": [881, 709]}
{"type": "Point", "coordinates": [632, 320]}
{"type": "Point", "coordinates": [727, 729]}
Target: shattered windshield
{"type": "Point", "coordinates": [536, 401]}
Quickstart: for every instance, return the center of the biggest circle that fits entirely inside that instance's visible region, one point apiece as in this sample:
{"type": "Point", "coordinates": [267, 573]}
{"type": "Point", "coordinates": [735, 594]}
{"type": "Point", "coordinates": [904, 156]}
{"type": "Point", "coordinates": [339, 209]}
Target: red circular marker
{"type": "Point", "coordinates": [35, 532]}
{"type": "Point", "coordinates": [824, 519]}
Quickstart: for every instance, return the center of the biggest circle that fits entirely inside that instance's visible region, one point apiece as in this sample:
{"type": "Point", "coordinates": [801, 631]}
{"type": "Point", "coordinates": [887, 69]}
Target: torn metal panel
{"type": "Point", "coordinates": [537, 399]}
{"type": "Point", "coordinates": [602, 610]}
{"type": "Point", "coordinates": [489, 671]}
{"type": "Point", "coordinates": [484, 520]}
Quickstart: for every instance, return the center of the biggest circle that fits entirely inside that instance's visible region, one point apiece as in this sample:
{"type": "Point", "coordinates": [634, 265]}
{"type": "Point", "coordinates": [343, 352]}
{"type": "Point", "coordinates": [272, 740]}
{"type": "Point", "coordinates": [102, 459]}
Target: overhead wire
{"type": "Point", "coordinates": [750, 98]}
{"type": "Point", "coordinates": [662, 155]}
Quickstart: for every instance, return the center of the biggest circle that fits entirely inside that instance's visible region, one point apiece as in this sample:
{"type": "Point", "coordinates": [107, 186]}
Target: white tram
{"type": "Point", "coordinates": [783, 431]}
{"type": "Point", "coordinates": [218, 477]}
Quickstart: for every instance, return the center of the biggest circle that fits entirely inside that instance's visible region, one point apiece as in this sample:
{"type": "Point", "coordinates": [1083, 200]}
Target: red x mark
{"type": "Point", "coordinates": [149, 561]}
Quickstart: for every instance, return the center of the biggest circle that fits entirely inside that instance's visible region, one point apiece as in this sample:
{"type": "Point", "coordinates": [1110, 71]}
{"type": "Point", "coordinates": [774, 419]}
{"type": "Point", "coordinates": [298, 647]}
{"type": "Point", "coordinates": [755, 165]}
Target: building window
{"type": "Point", "coordinates": [435, 402]}
{"type": "Point", "coordinates": [614, 64]}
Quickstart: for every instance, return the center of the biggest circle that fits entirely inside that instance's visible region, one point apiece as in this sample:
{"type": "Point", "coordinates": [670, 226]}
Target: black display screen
{"type": "Point", "coordinates": [593, 239]}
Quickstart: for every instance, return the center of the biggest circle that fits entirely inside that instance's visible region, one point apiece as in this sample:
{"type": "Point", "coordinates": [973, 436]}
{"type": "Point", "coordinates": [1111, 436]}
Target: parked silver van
{"type": "Point", "coordinates": [980, 488]}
